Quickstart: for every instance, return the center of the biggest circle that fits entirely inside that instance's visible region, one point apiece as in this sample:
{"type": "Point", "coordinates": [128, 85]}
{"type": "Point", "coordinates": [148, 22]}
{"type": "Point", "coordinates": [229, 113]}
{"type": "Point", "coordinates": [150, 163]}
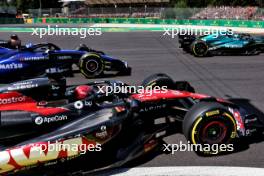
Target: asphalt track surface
{"type": "Point", "coordinates": [239, 78]}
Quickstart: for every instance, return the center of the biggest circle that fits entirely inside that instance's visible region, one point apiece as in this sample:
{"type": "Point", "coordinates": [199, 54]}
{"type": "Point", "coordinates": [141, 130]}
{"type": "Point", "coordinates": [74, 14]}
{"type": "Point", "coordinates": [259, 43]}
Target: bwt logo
{"type": "Point", "coordinates": [12, 100]}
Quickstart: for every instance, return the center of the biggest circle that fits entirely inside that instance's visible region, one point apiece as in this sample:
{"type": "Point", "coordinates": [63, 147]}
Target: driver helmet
{"type": "Point", "coordinates": [82, 91]}
{"type": "Point", "coordinates": [14, 41]}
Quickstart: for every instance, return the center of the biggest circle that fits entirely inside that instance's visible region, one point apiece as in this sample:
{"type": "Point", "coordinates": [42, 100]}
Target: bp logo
{"type": "Point", "coordinates": [39, 120]}
{"type": "Point", "coordinates": [78, 104]}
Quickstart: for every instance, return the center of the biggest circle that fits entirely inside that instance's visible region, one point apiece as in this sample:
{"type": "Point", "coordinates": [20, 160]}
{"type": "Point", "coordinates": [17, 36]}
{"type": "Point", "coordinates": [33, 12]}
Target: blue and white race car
{"type": "Point", "coordinates": [40, 59]}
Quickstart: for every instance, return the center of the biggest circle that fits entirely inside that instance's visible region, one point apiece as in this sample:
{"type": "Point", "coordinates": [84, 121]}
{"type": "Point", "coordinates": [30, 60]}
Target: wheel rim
{"type": "Point", "coordinates": [200, 48]}
{"type": "Point", "coordinates": [92, 66]}
{"type": "Point", "coordinates": [214, 132]}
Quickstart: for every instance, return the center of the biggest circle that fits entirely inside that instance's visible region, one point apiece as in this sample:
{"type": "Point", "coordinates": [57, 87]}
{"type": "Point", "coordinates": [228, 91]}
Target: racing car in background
{"type": "Point", "coordinates": [222, 44]}
{"type": "Point", "coordinates": [46, 58]}
{"type": "Point", "coordinates": [107, 131]}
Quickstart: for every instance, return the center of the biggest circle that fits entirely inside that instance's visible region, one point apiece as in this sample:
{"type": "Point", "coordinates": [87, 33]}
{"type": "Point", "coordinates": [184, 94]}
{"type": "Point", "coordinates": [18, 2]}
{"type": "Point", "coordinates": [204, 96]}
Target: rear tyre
{"type": "Point", "coordinates": [199, 48]}
{"type": "Point", "coordinates": [211, 127]}
{"type": "Point", "coordinates": [91, 65]}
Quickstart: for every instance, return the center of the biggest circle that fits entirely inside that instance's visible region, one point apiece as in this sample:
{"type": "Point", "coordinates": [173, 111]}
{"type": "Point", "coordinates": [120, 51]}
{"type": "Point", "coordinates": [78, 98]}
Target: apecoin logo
{"type": "Point", "coordinates": [40, 120]}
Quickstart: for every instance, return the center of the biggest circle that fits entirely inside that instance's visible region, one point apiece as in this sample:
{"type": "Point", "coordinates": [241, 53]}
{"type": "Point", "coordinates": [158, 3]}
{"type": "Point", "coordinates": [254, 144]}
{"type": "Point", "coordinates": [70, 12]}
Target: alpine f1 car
{"type": "Point", "coordinates": [40, 59]}
{"type": "Point", "coordinates": [65, 129]}
{"type": "Point", "coordinates": [222, 44]}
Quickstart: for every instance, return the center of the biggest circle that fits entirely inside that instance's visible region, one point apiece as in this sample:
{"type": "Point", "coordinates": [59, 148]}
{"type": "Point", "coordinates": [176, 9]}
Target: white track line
{"type": "Point", "coordinates": [190, 171]}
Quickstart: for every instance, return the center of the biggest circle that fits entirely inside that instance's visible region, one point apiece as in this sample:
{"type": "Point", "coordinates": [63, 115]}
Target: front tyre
{"type": "Point", "coordinates": [91, 65]}
{"type": "Point", "coordinates": [210, 127]}
{"type": "Point", "coordinates": [163, 80]}
{"type": "Point", "coordinates": [158, 80]}
{"type": "Point", "coordinates": [199, 48]}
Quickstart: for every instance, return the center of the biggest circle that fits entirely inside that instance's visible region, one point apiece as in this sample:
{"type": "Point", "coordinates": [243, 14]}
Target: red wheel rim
{"type": "Point", "coordinates": [214, 132]}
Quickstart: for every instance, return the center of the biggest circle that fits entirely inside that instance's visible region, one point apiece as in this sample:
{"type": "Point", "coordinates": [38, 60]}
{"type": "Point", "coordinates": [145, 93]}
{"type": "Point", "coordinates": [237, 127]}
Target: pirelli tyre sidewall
{"type": "Point", "coordinates": [209, 123]}
{"type": "Point", "coordinates": [91, 65]}
{"type": "Point", "coordinates": [199, 48]}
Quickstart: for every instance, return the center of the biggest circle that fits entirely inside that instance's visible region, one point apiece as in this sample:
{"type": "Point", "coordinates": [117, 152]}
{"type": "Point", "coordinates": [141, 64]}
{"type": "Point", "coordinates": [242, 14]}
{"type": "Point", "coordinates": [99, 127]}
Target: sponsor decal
{"type": "Point", "coordinates": [47, 153]}
{"type": "Point", "coordinates": [42, 103]}
{"type": "Point", "coordinates": [233, 135]}
{"type": "Point", "coordinates": [227, 46]}
{"type": "Point", "coordinates": [251, 120]}
{"type": "Point", "coordinates": [64, 57]}
{"type": "Point", "coordinates": [40, 120]}
{"type": "Point", "coordinates": [4, 101]}
{"type": "Point", "coordinates": [53, 87]}
{"type": "Point", "coordinates": [56, 70]}
{"type": "Point", "coordinates": [214, 48]}
{"type": "Point", "coordinates": [22, 85]}
{"type": "Point", "coordinates": [239, 120]}
{"type": "Point", "coordinates": [159, 134]}
{"type": "Point", "coordinates": [233, 45]}
{"type": "Point", "coordinates": [11, 66]}
{"type": "Point", "coordinates": [88, 103]}
{"type": "Point", "coordinates": [34, 58]}
{"type": "Point", "coordinates": [80, 104]}
{"type": "Point", "coordinates": [102, 134]}
{"type": "Point", "coordinates": [250, 131]}
{"type": "Point", "coordinates": [152, 108]}
{"type": "Point", "coordinates": [211, 113]}
{"type": "Point", "coordinates": [175, 92]}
